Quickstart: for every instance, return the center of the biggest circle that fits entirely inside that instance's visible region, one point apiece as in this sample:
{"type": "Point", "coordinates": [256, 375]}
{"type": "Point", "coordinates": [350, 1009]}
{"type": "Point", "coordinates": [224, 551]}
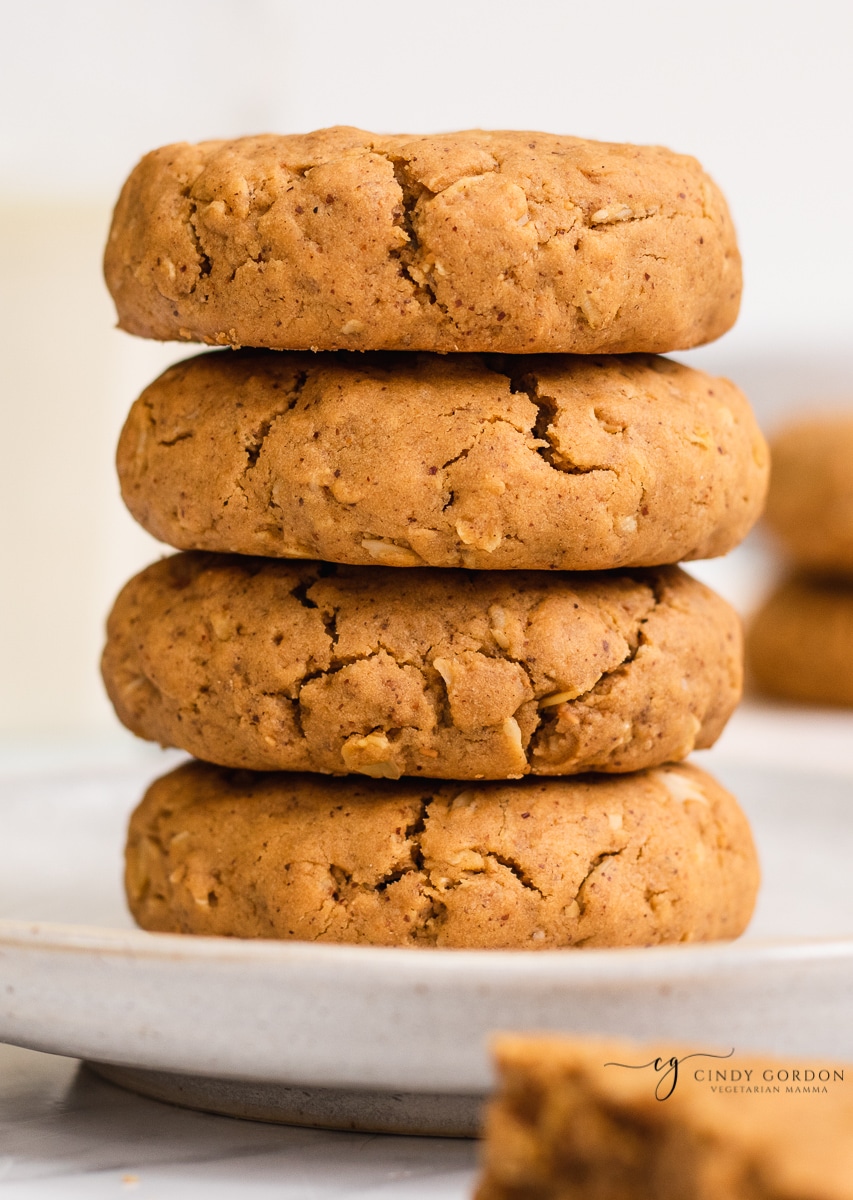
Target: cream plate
{"type": "Point", "coordinates": [383, 1038]}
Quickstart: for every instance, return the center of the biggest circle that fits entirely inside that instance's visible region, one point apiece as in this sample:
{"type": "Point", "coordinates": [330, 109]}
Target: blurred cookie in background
{"type": "Point", "coordinates": [611, 1119]}
{"type": "Point", "coordinates": [800, 642]}
{"type": "Point", "coordinates": [810, 502]}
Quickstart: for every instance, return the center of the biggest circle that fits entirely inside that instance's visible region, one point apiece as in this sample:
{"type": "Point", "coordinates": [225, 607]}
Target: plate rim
{"type": "Point", "coordinates": [429, 963]}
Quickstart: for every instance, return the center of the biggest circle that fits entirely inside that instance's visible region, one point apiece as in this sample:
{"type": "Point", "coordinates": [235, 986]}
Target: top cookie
{"type": "Point", "coordinates": [508, 241]}
{"type": "Point", "coordinates": [810, 502]}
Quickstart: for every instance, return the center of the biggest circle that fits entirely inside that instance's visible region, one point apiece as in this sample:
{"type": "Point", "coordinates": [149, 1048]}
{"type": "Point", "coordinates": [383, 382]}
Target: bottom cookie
{"type": "Point", "coordinates": [665, 855]}
{"type": "Point", "coordinates": [800, 642]}
{"type": "Point", "coordinates": [578, 1119]}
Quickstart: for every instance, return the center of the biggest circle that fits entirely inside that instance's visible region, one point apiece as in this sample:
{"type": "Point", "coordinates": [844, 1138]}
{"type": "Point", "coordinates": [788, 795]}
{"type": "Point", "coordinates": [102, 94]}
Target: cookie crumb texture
{"type": "Point", "coordinates": [564, 1126]}
{"type": "Point", "coordinates": [413, 460]}
{"type": "Point", "coordinates": [447, 674]}
{"type": "Point", "coordinates": [347, 240]}
{"type": "Point", "coordinates": [664, 856]}
{"type": "Point", "coordinates": [810, 502]}
{"type": "Point", "coordinates": [800, 642]}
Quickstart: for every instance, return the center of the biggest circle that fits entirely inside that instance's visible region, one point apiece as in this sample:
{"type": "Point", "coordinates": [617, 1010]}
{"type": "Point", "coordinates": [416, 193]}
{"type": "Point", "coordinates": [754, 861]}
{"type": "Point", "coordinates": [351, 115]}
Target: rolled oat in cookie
{"type": "Point", "coordinates": [543, 462]}
{"type": "Point", "coordinates": [660, 856]}
{"type": "Point", "coordinates": [347, 240]}
{"type": "Point", "coordinates": [273, 665]}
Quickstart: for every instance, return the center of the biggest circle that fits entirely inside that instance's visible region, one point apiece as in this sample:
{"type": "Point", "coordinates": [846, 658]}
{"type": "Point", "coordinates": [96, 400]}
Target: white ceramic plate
{"type": "Point", "coordinates": [337, 1025]}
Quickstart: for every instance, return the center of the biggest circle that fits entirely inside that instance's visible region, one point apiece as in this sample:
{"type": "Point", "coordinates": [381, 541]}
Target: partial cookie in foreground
{"type": "Point", "coordinates": [571, 1121]}
{"type": "Point", "coordinates": [484, 241]}
{"type": "Point", "coordinates": [663, 856]}
{"type": "Point", "coordinates": [800, 642]}
{"type": "Point", "coordinates": [810, 502]}
{"type": "Point", "coordinates": [452, 674]}
{"type": "Point", "coordinates": [410, 460]}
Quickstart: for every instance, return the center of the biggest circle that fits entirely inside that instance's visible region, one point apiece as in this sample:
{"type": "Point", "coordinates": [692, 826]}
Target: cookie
{"type": "Point", "coordinates": [800, 642]}
{"type": "Point", "coordinates": [810, 502]}
{"type": "Point", "coordinates": [347, 240]}
{"type": "Point", "coordinates": [571, 1120]}
{"type": "Point", "coordinates": [249, 662]}
{"type": "Point", "coordinates": [663, 856]}
{"type": "Point", "coordinates": [413, 460]}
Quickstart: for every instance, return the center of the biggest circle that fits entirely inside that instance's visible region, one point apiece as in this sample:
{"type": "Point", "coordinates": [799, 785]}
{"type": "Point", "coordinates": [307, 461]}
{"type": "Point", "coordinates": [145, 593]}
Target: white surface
{"type": "Point", "coordinates": [65, 1133]}
{"type": "Point", "coordinates": [787, 736]}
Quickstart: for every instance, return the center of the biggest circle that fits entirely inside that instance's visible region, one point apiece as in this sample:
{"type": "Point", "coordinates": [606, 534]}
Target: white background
{"type": "Point", "coordinates": [761, 93]}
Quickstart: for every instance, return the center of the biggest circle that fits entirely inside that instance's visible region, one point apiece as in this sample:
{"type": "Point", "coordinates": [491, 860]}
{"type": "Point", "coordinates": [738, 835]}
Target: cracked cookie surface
{"type": "Point", "coordinates": [559, 462]}
{"type": "Point", "coordinates": [347, 240]}
{"type": "Point", "coordinates": [800, 641]}
{"type": "Point", "coordinates": [271, 665]}
{"type": "Point", "coordinates": [662, 856]}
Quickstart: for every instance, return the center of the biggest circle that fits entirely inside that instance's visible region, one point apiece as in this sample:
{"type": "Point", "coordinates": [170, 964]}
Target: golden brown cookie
{"type": "Point", "coordinates": [271, 665]}
{"type": "Point", "coordinates": [411, 460]}
{"type": "Point", "coordinates": [565, 1126]}
{"type": "Point", "coordinates": [663, 856]}
{"type": "Point", "coordinates": [810, 502]}
{"type": "Point", "coordinates": [347, 240]}
{"type": "Point", "coordinates": [800, 642]}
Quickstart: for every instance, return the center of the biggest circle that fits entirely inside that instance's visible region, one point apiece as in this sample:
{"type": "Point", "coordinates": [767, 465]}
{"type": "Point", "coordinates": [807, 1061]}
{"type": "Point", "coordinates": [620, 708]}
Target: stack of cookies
{"type": "Point", "coordinates": [425, 637]}
{"type": "Point", "coordinates": [800, 644]}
